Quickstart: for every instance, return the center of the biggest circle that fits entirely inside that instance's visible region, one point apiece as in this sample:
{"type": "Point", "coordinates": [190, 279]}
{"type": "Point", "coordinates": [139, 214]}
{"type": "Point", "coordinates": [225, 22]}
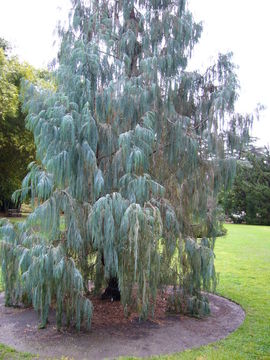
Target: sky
{"type": "Point", "coordinates": [240, 26]}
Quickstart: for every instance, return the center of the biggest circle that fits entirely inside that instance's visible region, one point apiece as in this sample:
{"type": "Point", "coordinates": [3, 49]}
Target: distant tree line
{"type": "Point", "coordinates": [17, 147]}
{"type": "Point", "coordinates": [249, 199]}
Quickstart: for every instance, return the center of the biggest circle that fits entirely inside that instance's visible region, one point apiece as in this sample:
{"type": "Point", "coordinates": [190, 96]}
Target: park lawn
{"type": "Point", "coordinates": [243, 260]}
{"type": "Point", "coordinates": [7, 353]}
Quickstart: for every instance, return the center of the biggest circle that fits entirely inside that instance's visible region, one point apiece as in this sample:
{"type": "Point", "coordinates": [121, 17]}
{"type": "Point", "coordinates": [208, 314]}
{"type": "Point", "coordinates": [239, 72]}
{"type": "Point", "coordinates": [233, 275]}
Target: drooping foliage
{"type": "Point", "coordinates": [132, 150]}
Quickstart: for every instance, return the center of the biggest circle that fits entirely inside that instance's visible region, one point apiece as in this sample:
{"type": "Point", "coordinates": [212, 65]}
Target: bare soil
{"type": "Point", "coordinates": [113, 335]}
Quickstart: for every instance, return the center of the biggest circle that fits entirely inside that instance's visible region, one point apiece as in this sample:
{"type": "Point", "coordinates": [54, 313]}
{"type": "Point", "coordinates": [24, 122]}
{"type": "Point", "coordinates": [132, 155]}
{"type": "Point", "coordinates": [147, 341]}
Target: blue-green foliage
{"type": "Point", "coordinates": [132, 150]}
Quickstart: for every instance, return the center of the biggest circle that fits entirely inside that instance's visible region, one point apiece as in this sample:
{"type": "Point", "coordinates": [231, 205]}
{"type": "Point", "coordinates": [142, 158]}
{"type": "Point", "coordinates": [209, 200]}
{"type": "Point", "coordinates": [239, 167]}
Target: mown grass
{"type": "Point", "coordinates": [243, 260]}
{"type": "Point", "coordinates": [7, 353]}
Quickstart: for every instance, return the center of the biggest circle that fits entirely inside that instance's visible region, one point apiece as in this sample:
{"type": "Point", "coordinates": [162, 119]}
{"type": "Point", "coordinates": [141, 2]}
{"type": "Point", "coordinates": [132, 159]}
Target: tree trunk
{"type": "Point", "coordinates": [112, 291]}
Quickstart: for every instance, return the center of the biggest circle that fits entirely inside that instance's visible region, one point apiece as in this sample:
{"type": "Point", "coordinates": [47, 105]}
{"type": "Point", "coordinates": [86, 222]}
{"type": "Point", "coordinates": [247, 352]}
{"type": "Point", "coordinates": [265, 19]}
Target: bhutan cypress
{"type": "Point", "coordinates": [132, 149]}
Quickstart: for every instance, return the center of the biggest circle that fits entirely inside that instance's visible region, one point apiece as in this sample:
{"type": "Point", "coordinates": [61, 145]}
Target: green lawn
{"type": "Point", "coordinates": [243, 260]}
{"type": "Point", "coordinates": [7, 353]}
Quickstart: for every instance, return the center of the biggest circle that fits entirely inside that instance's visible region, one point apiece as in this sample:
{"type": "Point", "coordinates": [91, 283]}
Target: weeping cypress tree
{"type": "Point", "coordinates": [132, 150]}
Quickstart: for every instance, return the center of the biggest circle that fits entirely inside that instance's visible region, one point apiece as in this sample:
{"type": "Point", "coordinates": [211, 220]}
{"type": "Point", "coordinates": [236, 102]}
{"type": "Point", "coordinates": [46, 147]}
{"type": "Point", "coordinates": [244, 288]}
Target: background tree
{"type": "Point", "coordinates": [132, 150]}
{"type": "Point", "coordinates": [17, 147]}
{"type": "Point", "coordinates": [249, 198]}
{"type": "Point", "coordinates": [5, 46]}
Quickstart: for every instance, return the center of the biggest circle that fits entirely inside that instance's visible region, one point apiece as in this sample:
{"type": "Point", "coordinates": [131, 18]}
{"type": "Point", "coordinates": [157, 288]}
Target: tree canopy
{"type": "Point", "coordinates": [17, 147]}
{"type": "Point", "coordinates": [132, 151]}
{"type": "Point", "coordinates": [249, 199]}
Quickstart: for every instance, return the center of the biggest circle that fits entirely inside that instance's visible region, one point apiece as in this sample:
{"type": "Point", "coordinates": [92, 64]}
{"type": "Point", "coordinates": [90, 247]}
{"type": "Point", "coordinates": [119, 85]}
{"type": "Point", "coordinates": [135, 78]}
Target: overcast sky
{"type": "Point", "coordinates": [240, 26]}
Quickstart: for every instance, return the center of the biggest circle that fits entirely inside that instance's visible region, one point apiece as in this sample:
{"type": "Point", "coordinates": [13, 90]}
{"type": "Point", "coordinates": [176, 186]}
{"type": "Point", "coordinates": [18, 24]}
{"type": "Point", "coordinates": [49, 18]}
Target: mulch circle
{"type": "Point", "coordinates": [113, 335]}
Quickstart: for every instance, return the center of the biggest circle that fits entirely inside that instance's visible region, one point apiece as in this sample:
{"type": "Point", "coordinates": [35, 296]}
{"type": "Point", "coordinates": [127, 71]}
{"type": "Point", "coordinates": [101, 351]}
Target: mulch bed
{"type": "Point", "coordinates": [114, 335]}
{"type": "Point", "coordinates": [108, 312]}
